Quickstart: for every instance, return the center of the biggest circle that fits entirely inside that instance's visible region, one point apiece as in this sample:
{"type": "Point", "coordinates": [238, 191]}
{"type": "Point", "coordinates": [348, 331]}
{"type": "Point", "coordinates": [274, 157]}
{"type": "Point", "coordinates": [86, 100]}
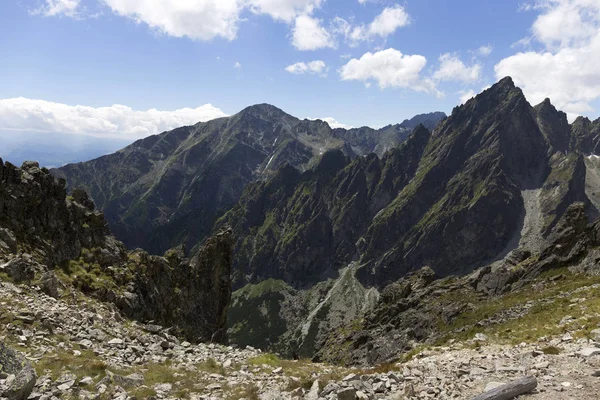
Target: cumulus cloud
{"type": "Point", "coordinates": [453, 69]}
{"type": "Point", "coordinates": [567, 67]}
{"type": "Point", "coordinates": [308, 34]}
{"type": "Point", "coordinates": [333, 123]}
{"type": "Point", "coordinates": [485, 50]}
{"type": "Point", "coordinates": [196, 19]}
{"type": "Point", "coordinates": [384, 25]}
{"type": "Point", "coordinates": [56, 8]}
{"type": "Point", "coordinates": [30, 115]}
{"type": "Point", "coordinates": [389, 69]}
{"type": "Point", "coordinates": [284, 10]}
{"type": "Point", "coordinates": [316, 67]}
{"type": "Point", "coordinates": [237, 65]}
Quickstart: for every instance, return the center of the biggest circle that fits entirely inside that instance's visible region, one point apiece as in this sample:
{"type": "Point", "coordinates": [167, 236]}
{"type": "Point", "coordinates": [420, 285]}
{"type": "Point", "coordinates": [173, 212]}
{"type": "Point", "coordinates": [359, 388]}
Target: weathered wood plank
{"type": "Point", "coordinates": [510, 390]}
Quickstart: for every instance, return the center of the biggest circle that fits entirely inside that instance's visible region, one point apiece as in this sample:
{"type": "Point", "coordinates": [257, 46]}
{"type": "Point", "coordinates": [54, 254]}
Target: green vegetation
{"type": "Point", "coordinates": [255, 314]}
{"type": "Point", "coordinates": [552, 302]}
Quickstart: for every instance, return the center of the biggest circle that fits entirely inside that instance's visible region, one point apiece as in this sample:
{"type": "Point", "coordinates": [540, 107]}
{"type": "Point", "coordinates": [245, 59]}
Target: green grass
{"type": "Point", "coordinates": [551, 305]}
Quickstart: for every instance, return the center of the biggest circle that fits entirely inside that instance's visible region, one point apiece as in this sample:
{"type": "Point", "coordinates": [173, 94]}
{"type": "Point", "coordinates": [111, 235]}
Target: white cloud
{"type": "Point", "coordinates": [567, 69]}
{"type": "Point", "coordinates": [453, 69]}
{"type": "Point", "coordinates": [333, 123]}
{"type": "Point", "coordinates": [566, 23]}
{"type": "Point", "coordinates": [385, 24]}
{"type": "Point", "coordinates": [24, 114]}
{"type": "Point", "coordinates": [388, 21]}
{"type": "Point", "coordinates": [237, 65]}
{"type": "Point", "coordinates": [316, 67]}
{"type": "Point", "coordinates": [56, 8]}
{"type": "Point", "coordinates": [390, 69]}
{"type": "Point", "coordinates": [196, 19]}
{"type": "Point", "coordinates": [308, 34]}
{"type": "Point", "coordinates": [284, 10]}
{"type": "Point", "coordinates": [485, 50]}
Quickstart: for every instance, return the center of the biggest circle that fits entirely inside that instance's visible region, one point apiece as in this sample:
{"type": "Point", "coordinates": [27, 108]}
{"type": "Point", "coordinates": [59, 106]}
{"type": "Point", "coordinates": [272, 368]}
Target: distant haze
{"type": "Point", "coordinates": [55, 149]}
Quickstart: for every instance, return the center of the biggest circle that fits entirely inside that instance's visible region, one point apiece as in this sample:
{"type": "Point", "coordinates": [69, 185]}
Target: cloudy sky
{"type": "Point", "coordinates": [130, 68]}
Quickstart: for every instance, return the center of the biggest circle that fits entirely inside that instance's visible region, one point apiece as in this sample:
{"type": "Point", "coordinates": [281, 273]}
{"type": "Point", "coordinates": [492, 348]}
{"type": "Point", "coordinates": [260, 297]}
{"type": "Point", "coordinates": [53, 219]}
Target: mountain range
{"type": "Point", "coordinates": [169, 189]}
{"type": "Point", "coordinates": [331, 226]}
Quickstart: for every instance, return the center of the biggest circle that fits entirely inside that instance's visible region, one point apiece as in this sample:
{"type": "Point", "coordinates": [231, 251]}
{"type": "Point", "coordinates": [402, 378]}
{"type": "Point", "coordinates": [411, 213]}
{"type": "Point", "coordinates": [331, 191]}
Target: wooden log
{"type": "Point", "coordinates": [510, 390]}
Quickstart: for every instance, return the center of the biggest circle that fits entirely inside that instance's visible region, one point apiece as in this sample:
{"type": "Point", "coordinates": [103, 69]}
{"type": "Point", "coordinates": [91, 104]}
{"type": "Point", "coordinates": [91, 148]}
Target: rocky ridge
{"type": "Point", "coordinates": [168, 189]}
{"type": "Point", "coordinates": [58, 241]}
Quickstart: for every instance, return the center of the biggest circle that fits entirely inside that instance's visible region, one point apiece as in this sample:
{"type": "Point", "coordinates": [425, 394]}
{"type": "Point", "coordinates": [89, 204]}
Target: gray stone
{"type": "Point", "coordinates": [347, 394]}
{"type": "Point", "coordinates": [23, 378]}
{"type": "Point", "coordinates": [589, 351]}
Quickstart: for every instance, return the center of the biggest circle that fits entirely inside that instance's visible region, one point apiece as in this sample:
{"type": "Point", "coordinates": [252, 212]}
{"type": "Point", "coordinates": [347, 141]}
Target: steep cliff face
{"type": "Point", "coordinates": [45, 234]}
{"type": "Point", "coordinates": [585, 136]}
{"type": "Point", "coordinates": [303, 227]}
{"type": "Point", "coordinates": [168, 189]}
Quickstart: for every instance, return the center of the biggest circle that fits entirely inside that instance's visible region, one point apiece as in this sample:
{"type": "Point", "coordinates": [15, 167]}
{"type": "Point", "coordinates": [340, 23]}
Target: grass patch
{"type": "Point", "coordinates": [86, 364]}
{"type": "Point", "coordinates": [552, 301]}
{"type": "Point", "coordinates": [266, 359]}
{"type": "Point", "coordinates": [552, 350]}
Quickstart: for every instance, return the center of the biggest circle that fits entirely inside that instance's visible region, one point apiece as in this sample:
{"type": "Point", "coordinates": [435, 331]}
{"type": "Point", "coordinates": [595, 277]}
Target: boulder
{"type": "Point", "coordinates": [12, 363]}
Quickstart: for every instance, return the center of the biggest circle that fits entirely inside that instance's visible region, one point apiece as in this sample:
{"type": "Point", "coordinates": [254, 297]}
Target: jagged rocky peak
{"type": "Point", "coordinates": [554, 126]}
{"type": "Point", "coordinates": [428, 120]}
{"type": "Point", "coordinates": [585, 136]}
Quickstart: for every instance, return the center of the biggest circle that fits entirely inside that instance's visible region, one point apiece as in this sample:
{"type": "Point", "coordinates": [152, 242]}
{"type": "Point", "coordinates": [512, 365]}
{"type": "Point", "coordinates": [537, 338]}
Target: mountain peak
{"type": "Point", "coordinates": [263, 109]}
{"type": "Point", "coordinates": [506, 82]}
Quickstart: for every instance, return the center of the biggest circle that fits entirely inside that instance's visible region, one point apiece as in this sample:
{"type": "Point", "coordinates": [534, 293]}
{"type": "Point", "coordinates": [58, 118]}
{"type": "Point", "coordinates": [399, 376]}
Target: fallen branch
{"type": "Point", "coordinates": [510, 390]}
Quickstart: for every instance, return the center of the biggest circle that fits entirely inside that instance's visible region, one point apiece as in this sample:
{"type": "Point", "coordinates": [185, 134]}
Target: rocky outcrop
{"type": "Point", "coordinates": [192, 295]}
{"type": "Point", "coordinates": [38, 218]}
{"type": "Point", "coordinates": [47, 234]}
{"type": "Point", "coordinates": [585, 136]}
{"type": "Point", "coordinates": [23, 376]}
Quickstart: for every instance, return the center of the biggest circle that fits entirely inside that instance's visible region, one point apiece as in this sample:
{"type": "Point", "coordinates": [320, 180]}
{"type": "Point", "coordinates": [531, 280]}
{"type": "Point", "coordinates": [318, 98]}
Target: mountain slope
{"type": "Point", "coordinates": [168, 189]}
{"type": "Point", "coordinates": [486, 179]}
{"type": "Point", "coordinates": [492, 181]}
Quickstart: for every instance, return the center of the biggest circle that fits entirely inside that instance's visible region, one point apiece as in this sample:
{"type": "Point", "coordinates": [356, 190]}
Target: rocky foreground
{"type": "Point", "coordinates": [82, 349]}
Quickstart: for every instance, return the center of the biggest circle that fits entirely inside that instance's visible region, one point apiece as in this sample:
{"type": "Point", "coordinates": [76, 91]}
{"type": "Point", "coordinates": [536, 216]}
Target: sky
{"type": "Point", "coordinates": [132, 68]}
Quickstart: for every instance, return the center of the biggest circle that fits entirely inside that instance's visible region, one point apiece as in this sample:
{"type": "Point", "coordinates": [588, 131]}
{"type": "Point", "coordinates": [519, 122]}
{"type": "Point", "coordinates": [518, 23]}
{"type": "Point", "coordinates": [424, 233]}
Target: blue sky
{"type": "Point", "coordinates": [365, 62]}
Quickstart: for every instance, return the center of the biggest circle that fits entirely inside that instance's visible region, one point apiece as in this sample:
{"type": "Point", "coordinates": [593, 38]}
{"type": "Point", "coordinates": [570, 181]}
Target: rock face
{"type": "Point", "coordinates": [168, 189]}
{"type": "Point", "coordinates": [193, 295]}
{"type": "Point", "coordinates": [45, 234]}
{"type": "Point", "coordinates": [303, 227]}
{"type": "Point", "coordinates": [37, 217]}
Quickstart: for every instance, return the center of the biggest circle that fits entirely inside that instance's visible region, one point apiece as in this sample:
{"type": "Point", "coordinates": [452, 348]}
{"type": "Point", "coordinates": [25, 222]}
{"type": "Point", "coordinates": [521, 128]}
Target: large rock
{"type": "Point", "coordinates": [22, 268]}
{"type": "Point", "coordinates": [36, 215]}
{"type": "Point", "coordinates": [25, 377]}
